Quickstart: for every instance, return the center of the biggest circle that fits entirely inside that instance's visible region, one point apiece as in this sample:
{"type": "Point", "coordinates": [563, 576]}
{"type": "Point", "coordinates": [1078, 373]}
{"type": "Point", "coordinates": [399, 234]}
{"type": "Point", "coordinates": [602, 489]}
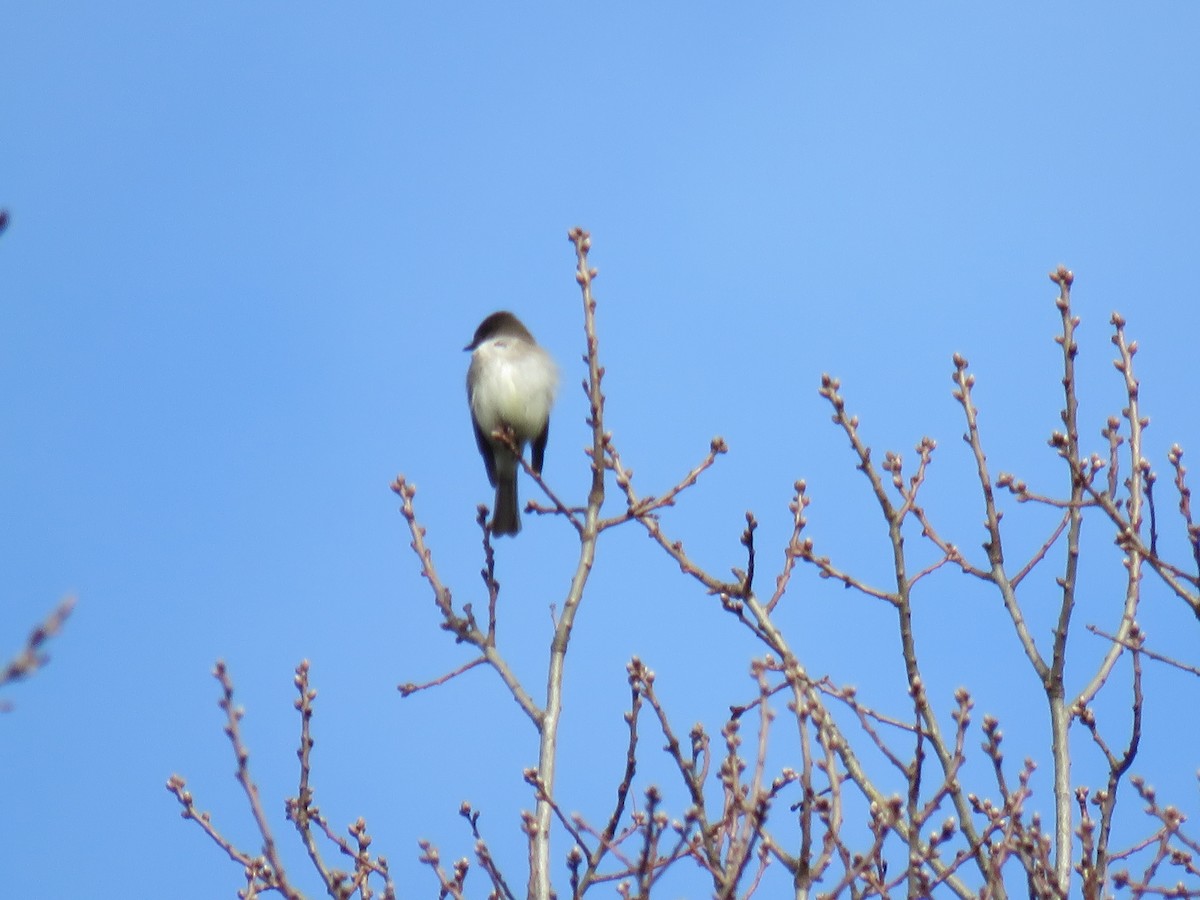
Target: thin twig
{"type": "Point", "coordinates": [32, 656]}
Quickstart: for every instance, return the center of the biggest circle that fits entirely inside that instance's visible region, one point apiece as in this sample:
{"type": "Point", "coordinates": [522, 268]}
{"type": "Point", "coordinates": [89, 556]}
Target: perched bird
{"type": "Point", "coordinates": [510, 385]}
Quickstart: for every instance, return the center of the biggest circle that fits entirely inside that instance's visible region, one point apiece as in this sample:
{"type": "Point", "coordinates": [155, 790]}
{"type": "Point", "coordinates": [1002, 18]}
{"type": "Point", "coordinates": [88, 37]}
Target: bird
{"type": "Point", "coordinates": [511, 384]}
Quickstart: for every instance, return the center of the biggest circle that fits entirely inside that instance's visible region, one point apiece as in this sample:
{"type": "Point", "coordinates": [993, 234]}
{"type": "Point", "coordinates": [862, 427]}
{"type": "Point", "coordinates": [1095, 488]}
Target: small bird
{"type": "Point", "coordinates": [510, 385]}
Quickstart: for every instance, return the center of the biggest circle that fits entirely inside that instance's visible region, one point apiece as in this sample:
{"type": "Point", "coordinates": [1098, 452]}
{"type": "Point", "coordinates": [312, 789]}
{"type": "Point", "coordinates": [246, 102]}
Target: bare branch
{"type": "Point", "coordinates": [463, 627]}
{"type": "Point", "coordinates": [32, 656]}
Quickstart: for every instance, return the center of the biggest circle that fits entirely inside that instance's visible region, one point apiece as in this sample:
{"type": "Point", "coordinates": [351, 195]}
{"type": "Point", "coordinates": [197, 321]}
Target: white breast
{"type": "Point", "coordinates": [514, 383]}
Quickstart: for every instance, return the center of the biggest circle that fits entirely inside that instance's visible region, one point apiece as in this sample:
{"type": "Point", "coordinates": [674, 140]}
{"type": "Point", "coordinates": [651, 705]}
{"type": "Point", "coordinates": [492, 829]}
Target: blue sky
{"type": "Point", "coordinates": [248, 241]}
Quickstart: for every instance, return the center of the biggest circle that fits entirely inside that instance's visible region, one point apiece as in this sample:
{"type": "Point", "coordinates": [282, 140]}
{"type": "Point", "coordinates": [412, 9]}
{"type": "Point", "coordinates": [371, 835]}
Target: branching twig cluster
{"type": "Point", "coordinates": [263, 868]}
{"type": "Point", "coordinates": [849, 798]}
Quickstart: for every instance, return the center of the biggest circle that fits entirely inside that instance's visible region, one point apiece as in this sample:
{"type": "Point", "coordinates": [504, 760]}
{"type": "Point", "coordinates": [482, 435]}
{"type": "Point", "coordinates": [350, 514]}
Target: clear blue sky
{"type": "Point", "coordinates": [249, 240]}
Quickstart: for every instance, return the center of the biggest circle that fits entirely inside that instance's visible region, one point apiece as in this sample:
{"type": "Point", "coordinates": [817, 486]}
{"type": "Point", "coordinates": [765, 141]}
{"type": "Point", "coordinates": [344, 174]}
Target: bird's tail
{"type": "Point", "coordinates": [507, 519]}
